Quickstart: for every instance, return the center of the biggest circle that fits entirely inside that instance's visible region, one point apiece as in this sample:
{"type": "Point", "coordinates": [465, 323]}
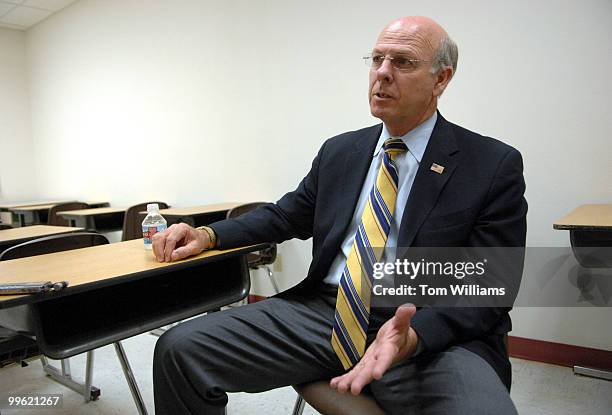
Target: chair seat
{"type": "Point", "coordinates": [330, 402]}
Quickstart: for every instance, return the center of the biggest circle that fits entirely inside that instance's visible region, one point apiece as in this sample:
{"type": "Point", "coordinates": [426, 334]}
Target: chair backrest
{"type": "Point", "coordinates": [57, 220]}
{"type": "Point", "coordinates": [54, 243]}
{"type": "Point", "coordinates": [131, 225]}
{"type": "Point", "coordinates": [265, 256]}
{"type": "Point", "coordinates": [244, 208]}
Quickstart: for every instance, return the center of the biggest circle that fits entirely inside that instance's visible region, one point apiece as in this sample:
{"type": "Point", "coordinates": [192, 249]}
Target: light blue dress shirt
{"type": "Point", "coordinates": [407, 164]}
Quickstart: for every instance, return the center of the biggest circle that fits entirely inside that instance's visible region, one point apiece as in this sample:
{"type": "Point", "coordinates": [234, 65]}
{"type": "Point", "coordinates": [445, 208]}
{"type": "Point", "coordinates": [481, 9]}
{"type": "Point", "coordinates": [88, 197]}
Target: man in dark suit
{"type": "Point", "coordinates": [454, 188]}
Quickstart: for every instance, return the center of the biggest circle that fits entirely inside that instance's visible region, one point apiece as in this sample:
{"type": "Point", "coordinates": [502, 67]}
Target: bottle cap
{"type": "Point", "coordinates": [152, 207]}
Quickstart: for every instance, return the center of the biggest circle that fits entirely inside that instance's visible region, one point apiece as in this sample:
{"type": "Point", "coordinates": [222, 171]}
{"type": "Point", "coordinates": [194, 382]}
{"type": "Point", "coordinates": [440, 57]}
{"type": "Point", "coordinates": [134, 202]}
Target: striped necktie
{"type": "Point", "coordinates": [353, 302]}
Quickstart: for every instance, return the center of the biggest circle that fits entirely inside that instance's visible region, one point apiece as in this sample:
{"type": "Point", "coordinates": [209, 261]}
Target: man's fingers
{"type": "Point", "coordinates": [176, 242]}
{"type": "Point", "coordinates": [377, 359]}
{"type": "Point", "coordinates": [176, 234]}
{"type": "Point", "coordinates": [169, 247]}
{"type": "Point", "coordinates": [343, 383]}
{"type": "Point", "coordinates": [334, 382]}
{"type": "Point", "coordinates": [159, 240]}
{"type": "Point", "coordinates": [354, 380]}
{"type": "Point", "coordinates": [403, 314]}
{"type": "Point", "coordinates": [182, 252]}
{"type": "Point", "coordinates": [362, 378]}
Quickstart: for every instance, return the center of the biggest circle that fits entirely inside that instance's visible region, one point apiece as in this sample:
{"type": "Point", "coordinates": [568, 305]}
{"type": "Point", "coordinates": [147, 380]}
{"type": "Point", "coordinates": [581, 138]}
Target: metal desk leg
{"type": "Point", "coordinates": [592, 372]}
{"type": "Point", "coordinates": [37, 219]}
{"type": "Point", "coordinates": [63, 376]}
{"type": "Point", "coordinates": [65, 368]}
{"type": "Point", "coordinates": [88, 374]}
{"type": "Point", "coordinates": [272, 279]}
{"type": "Point", "coordinates": [129, 376]}
{"type": "Point", "coordinates": [90, 223]}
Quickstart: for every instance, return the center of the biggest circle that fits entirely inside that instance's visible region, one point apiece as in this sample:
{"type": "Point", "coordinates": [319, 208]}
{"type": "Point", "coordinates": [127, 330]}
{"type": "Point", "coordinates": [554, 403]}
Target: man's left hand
{"type": "Point", "coordinates": [395, 341]}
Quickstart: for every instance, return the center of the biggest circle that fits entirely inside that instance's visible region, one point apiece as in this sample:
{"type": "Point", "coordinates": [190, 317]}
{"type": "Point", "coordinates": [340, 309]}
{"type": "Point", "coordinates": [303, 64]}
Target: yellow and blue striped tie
{"type": "Point", "coordinates": [353, 303]}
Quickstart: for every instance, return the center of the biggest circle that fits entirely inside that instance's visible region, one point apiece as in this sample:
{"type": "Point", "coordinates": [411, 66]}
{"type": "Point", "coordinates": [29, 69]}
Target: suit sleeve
{"type": "Point", "coordinates": [290, 217]}
{"type": "Point", "coordinates": [500, 223]}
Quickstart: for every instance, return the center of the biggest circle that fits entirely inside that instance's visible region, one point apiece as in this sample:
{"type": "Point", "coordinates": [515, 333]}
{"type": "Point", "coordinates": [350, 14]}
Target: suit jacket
{"type": "Point", "coordinates": [477, 201]}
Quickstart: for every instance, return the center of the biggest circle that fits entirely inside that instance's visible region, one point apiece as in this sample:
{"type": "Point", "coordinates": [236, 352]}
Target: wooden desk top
{"type": "Point", "coordinates": [7, 206]}
{"type": "Point", "coordinates": [41, 206]}
{"type": "Point", "coordinates": [34, 232]}
{"type": "Point", "coordinates": [198, 210]}
{"type": "Point", "coordinates": [90, 212]}
{"type": "Point", "coordinates": [33, 208]}
{"type": "Point", "coordinates": [89, 265]}
{"type": "Point", "coordinates": [587, 217]}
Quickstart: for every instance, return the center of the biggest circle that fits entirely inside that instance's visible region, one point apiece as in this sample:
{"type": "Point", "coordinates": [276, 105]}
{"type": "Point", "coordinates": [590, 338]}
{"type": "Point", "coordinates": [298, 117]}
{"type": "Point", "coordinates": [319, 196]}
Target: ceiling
{"type": "Point", "coordinates": [23, 14]}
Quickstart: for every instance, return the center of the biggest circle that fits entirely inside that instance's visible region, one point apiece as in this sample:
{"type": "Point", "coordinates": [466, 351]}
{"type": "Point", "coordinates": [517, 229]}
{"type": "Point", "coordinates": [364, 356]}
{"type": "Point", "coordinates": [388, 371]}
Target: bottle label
{"type": "Point", "coordinates": [149, 231]}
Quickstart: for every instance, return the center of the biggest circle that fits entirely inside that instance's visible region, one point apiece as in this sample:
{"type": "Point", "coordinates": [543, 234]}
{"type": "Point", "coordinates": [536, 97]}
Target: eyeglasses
{"type": "Point", "coordinates": [401, 63]}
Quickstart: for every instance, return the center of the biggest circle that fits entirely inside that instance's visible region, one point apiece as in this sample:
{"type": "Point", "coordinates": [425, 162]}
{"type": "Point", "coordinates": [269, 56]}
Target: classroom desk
{"type": "Point", "coordinates": [105, 219]}
{"type": "Point", "coordinates": [5, 206]}
{"type": "Point", "coordinates": [38, 213]}
{"type": "Point", "coordinates": [31, 213]}
{"type": "Point", "coordinates": [590, 228]}
{"type": "Point", "coordinates": [195, 215]}
{"type": "Point", "coordinates": [15, 236]}
{"type": "Point", "coordinates": [118, 291]}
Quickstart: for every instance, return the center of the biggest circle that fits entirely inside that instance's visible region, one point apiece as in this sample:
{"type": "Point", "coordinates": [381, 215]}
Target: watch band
{"type": "Point", "coordinates": [212, 236]}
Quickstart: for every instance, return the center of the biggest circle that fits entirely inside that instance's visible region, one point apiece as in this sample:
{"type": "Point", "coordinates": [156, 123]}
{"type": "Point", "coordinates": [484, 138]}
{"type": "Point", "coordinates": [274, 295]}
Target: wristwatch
{"type": "Point", "coordinates": [212, 236]}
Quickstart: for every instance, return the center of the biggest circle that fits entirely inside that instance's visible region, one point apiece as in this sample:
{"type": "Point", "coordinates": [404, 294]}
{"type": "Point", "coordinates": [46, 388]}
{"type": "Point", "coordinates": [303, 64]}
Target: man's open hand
{"type": "Point", "coordinates": [179, 241]}
{"type": "Point", "coordinates": [395, 341]}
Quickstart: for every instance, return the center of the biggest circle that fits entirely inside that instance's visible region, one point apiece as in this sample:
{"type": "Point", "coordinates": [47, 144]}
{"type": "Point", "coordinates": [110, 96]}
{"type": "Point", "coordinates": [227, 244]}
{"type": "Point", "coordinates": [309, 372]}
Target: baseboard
{"type": "Point", "coordinates": [559, 353]}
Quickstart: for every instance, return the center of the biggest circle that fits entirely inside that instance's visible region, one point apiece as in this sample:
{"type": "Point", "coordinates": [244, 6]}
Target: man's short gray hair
{"type": "Point", "coordinates": [446, 55]}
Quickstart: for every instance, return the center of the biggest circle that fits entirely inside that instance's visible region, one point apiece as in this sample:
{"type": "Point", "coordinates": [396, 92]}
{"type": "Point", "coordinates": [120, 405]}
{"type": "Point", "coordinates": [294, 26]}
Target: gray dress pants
{"type": "Point", "coordinates": [286, 340]}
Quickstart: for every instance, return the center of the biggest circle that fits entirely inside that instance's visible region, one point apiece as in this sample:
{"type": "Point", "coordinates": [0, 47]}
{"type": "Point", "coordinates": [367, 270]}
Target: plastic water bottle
{"type": "Point", "coordinates": [152, 223]}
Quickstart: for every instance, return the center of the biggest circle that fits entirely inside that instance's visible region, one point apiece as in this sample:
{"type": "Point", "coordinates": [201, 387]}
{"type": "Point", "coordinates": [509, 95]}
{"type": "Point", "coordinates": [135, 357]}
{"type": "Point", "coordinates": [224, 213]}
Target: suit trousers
{"type": "Point", "coordinates": [285, 340]}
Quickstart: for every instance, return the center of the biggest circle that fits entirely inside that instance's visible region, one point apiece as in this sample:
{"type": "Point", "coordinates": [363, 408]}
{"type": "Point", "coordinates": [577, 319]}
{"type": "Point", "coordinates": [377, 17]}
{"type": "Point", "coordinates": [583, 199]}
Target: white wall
{"type": "Point", "coordinates": [204, 101]}
{"type": "Point", "coordinates": [17, 168]}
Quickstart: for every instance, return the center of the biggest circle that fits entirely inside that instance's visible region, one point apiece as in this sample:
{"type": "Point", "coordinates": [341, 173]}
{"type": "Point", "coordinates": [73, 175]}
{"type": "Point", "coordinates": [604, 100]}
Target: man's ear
{"type": "Point", "coordinates": [442, 78]}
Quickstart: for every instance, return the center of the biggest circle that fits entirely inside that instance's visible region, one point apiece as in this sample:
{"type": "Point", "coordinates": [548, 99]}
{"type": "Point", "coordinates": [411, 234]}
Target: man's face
{"type": "Point", "coordinates": [403, 98]}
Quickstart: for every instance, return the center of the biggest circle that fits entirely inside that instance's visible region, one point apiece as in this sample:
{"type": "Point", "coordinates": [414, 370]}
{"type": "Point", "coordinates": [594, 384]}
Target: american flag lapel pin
{"type": "Point", "coordinates": [437, 168]}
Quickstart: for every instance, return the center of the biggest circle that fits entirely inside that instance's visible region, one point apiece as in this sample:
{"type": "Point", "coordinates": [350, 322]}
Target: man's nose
{"type": "Point", "coordinates": [385, 71]}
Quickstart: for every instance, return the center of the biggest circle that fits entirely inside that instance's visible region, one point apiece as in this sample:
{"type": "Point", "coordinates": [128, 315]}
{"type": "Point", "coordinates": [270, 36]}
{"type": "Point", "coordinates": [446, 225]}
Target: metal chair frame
{"type": "Point", "coordinates": [263, 258]}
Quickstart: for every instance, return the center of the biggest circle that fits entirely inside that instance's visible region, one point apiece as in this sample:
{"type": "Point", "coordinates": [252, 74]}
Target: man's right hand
{"type": "Point", "coordinates": [179, 241]}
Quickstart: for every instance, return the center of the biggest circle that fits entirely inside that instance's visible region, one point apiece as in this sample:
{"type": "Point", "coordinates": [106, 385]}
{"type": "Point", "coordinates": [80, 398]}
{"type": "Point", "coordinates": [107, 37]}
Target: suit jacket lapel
{"type": "Point", "coordinates": [428, 184]}
{"type": "Point", "coordinates": [354, 172]}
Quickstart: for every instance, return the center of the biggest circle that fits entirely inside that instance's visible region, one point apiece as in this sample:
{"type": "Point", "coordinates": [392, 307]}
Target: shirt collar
{"type": "Point", "coordinates": [416, 139]}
